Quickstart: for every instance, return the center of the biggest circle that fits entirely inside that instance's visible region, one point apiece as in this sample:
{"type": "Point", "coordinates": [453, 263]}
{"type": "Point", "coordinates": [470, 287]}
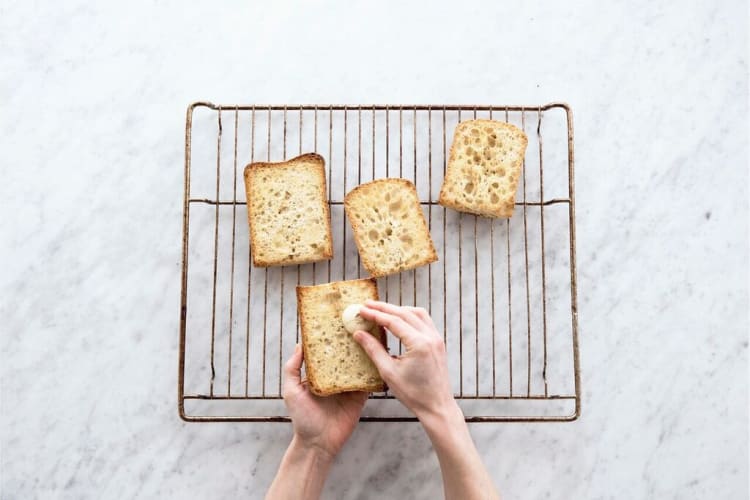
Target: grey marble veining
{"type": "Point", "coordinates": [94, 100]}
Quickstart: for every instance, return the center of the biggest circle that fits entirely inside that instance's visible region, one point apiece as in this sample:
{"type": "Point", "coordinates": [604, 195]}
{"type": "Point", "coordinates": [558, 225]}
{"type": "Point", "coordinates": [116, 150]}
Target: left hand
{"type": "Point", "coordinates": [320, 423]}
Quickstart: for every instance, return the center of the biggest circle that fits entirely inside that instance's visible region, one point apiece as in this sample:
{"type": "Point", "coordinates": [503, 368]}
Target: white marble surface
{"type": "Point", "coordinates": [93, 100]}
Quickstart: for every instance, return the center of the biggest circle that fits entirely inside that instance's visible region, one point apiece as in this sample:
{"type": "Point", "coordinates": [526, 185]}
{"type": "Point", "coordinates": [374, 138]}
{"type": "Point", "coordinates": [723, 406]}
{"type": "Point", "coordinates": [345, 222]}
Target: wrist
{"type": "Point", "coordinates": [302, 473]}
{"type": "Point", "coordinates": [446, 417]}
{"type": "Point", "coordinates": [307, 449]}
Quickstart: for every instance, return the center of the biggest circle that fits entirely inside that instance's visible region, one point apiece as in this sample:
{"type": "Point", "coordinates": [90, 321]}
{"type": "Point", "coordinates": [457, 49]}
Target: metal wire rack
{"type": "Point", "coordinates": [503, 292]}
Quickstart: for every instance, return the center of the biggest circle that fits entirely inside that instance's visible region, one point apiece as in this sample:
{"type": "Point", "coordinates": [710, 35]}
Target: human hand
{"type": "Point", "coordinates": [418, 378]}
{"type": "Point", "coordinates": [320, 423]}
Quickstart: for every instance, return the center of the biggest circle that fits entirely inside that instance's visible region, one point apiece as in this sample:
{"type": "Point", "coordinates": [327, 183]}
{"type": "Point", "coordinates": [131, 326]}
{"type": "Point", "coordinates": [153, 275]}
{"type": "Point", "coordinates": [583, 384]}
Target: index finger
{"type": "Point", "coordinates": [396, 325]}
{"type": "Point", "coordinates": [405, 313]}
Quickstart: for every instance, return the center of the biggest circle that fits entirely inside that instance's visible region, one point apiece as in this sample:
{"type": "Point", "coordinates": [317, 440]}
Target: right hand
{"type": "Point", "coordinates": [418, 378]}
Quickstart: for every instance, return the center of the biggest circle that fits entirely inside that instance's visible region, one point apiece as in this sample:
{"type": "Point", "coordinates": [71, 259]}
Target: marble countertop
{"type": "Point", "coordinates": [92, 126]}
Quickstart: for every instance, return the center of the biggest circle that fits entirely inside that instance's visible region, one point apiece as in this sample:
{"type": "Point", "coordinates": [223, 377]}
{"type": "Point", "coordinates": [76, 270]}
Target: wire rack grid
{"type": "Point", "coordinates": [503, 292]}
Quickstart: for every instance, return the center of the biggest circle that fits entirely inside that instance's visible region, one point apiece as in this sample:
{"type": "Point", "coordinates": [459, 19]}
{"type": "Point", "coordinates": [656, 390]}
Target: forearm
{"type": "Point", "coordinates": [464, 474]}
{"type": "Point", "coordinates": [301, 475]}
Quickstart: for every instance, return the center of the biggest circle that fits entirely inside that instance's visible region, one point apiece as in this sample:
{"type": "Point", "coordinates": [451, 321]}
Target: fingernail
{"type": "Point", "coordinates": [358, 334]}
{"type": "Point", "coordinates": [297, 348]}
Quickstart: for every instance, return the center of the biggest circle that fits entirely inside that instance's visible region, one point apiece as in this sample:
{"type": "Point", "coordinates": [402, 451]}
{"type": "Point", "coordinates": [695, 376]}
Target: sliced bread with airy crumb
{"type": "Point", "coordinates": [287, 207]}
{"type": "Point", "coordinates": [483, 168]}
{"type": "Point", "coordinates": [389, 227]}
{"type": "Point", "coordinates": [334, 361]}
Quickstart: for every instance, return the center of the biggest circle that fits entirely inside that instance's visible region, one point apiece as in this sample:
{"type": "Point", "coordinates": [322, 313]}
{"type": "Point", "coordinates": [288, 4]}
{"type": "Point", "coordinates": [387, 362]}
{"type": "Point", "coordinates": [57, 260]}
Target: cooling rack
{"type": "Point", "coordinates": [503, 293]}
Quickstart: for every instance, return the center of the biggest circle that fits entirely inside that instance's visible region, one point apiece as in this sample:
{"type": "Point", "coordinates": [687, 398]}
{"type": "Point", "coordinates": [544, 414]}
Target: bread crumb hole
{"type": "Point", "coordinates": [501, 172]}
{"type": "Point", "coordinates": [494, 198]}
{"type": "Point", "coordinates": [469, 187]}
{"type": "Point", "coordinates": [373, 235]}
{"type": "Point", "coordinates": [408, 240]}
{"type": "Point", "coordinates": [474, 132]}
{"type": "Point", "coordinates": [495, 185]}
{"type": "Point", "coordinates": [477, 158]}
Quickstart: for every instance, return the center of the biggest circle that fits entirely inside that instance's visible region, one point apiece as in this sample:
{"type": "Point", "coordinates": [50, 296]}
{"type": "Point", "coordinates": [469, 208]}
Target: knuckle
{"type": "Point", "coordinates": [386, 372]}
{"type": "Point", "coordinates": [421, 312]}
{"type": "Point", "coordinates": [420, 345]}
{"type": "Point", "coordinates": [436, 343]}
{"type": "Point", "coordinates": [393, 322]}
{"type": "Point", "coordinates": [441, 344]}
{"type": "Point", "coordinates": [366, 346]}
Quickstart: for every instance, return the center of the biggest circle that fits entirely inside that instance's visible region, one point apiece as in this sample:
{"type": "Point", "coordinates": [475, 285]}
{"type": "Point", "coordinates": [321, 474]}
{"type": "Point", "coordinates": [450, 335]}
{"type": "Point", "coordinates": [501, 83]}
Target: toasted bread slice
{"type": "Point", "coordinates": [483, 168]}
{"type": "Point", "coordinates": [287, 207]}
{"type": "Point", "coordinates": [389, 226]}
{"type": "Point", "coordinates": [334, 361]}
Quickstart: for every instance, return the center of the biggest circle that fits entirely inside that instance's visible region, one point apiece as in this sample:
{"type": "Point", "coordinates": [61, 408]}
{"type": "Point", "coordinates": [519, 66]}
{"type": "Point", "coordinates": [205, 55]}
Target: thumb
{"type": "Point", "coordinates": [374, 349]}
{"type": "Point", "coordinates": [292, 371]}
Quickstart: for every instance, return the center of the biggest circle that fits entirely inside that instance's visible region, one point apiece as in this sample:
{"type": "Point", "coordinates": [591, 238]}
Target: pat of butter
{"type": "Point", "coordinates": [353, 321]}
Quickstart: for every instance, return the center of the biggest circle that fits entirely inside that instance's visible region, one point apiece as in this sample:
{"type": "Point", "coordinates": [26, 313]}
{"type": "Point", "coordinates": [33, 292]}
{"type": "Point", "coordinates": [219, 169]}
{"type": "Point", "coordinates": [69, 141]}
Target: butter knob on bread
{"type": "Point", "coordinates": [353, 321]}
